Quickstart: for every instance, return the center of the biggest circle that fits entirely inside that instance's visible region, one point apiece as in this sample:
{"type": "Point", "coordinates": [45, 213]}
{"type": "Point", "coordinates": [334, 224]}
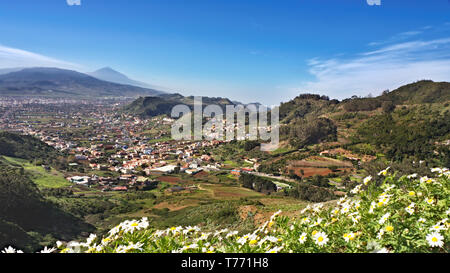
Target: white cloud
{"type": "Point", "coordinates": [12, 57]}
{"type": "Point", "coordinates": [74, 2]}
{"type": "Point", "coordinates": [411, 46]}
{"type": "Point", "coordinates": [384, 68]}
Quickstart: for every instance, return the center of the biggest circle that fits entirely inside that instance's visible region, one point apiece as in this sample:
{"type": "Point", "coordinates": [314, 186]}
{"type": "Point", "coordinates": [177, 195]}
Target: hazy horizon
{"type": "Point", "coordinates": [241, 50]}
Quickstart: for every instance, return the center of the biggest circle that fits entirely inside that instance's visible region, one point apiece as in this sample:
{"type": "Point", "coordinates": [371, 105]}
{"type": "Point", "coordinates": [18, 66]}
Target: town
{"type": "Point", "coordinates": [98, 139]}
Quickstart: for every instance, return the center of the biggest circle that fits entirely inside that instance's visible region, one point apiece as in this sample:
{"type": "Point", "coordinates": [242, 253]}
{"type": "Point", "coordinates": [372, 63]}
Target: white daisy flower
{"type": "Point", "coordinates": [437, 227]}
{"type": "Point", "coordinates": [357, 189]}
{"type": "Point", "coordinates": [320, 238]}
{"type": "Point", "coordinates": [306, 209]}
{"type": "Point", "coordinates": [303, 238]}
{"type": "Point", "coordinates": [410, 208]}
{"type": "Point", "coordinates": [317, 207]}
{"type": "Point", "coordinates": [349, 236]}
{"type": "Point", "coordinates": [384, 172]}
{"type": "Point", "coordinates": [435, 239]}
{"type": "Point", "coordinates": [380, 234]}
{"type": "Point", "coordinates": [91, 239]}
{"type": "Point", "coordinates": [384, 218]}
{"type": "Point", "coordinates": [367, 180]}
{"type": "Point", "coordinates": [381, 250]}
{"type": "Point", "coordinates": [11, 250]}
{"type": "Point", "coordinates": [48, 250]}
{"type": "Point", "coordinates": [345, 209]}
{"type": "Point", "coordinates": [136, 246]}
{"type": "Point", "coordinates": [275, 249]}
{"type": "Point", "coordinates": [414, 175]}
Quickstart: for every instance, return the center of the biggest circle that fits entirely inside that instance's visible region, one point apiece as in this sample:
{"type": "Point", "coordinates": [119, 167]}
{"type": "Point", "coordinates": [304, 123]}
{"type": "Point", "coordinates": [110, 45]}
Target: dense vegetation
{"type": "Point", "coordinates": [257, 183]}
{"type": "Point", "coordinates": [425, 91]}
{"type": "Point", "coordinates": [400, 128]}
{"type": "Point", "coordinates": [27, 220]}
{"type": "Point", "coordinates": [403, 214]}
{"type": "Point", "coordinates": [311, 130]}
{"type": "Point", "coordinates": [311, 193]}
{"type": "Point", "coordinates": [410, 132]}
{"type": "Point", "coordinates": [163, 104]}
{"type": "Point", "coordinates": [27, 147]}
{"type": "Point", "coordinates": [409, 122]}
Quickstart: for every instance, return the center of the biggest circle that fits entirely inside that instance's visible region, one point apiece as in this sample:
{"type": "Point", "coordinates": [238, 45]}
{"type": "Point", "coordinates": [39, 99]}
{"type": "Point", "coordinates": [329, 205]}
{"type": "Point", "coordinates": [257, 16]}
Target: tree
{"type": "Point", "coordinates": [311, 130]}
{"type": "Point", "coordinates": [388, 106]}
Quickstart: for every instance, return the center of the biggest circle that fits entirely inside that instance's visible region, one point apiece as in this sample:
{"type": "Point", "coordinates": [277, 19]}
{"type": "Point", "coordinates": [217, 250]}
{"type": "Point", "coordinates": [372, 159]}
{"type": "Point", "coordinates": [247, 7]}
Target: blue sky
{"type": "Point", "coordinates": [248, 50]}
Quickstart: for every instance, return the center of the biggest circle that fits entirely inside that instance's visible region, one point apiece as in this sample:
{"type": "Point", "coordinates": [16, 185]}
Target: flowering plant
{"type": "Point", "coordinates": [404, 214]}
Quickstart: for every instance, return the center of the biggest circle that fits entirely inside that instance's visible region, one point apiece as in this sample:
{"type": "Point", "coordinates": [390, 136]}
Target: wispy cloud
{"type": "Point", "coordinates": [386, 67]}
{"type": "Point", "coordinates": [13, 57]}
{"type": "Point", "coordinates": [400, 37]}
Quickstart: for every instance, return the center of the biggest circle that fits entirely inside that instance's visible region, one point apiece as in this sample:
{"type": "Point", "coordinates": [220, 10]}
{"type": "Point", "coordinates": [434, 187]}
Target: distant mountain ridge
{"type": "Point", "coordinates": [111, 75]}
{"type": "Point", "coordinates": [9, 70]}
{"type": "Point", "coordinates": [55, 82]}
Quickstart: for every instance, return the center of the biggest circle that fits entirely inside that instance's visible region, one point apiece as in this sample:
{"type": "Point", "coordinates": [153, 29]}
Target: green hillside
{"type": "Point", "coordinates": [163, 104]}
{"type": "Point", "coordinates": [27, 147]}
{"type": "Point", "coordinates": [409, 122]}
{"type": "Point", "coordinates": [27, 220]}
{"type": "Point", "coordinates": [420, 92]}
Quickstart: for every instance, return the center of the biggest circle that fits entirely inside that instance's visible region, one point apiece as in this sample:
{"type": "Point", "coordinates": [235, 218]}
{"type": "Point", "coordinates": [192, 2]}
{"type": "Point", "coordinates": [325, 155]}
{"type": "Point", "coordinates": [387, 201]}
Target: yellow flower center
{"type": "Point", "coordinates": [434, 239]}
{"type": "Point", "coordinates": [314, 232]}
{"type": "Point", "coordinates": [389, 228]}
{"type": "Point", "coordinates": [320, 239]}
{"type": "Point", "coordinates": [252, 242]}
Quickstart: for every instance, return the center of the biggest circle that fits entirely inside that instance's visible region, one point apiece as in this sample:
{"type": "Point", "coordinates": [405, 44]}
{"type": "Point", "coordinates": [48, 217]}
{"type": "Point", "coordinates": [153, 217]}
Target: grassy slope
{"type": "Point", "coordinates": [39, 175]}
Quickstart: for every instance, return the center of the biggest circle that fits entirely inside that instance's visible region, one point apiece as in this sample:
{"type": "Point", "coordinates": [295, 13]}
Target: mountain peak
{"type": "Point", "coordinates": [48, 81]}
{"type": "Point", "coordinates": [106, 69]}
{"type": "Point", "coordinates": [109, 74]}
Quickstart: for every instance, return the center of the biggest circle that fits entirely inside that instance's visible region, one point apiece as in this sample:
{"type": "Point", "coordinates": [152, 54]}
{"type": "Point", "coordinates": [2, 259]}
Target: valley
{"type": "Point", "coordinates": [105, 161]}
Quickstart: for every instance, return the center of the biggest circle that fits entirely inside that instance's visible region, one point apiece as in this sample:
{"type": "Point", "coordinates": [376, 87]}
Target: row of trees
{"type": "Point", "coordinates": [257, 183]}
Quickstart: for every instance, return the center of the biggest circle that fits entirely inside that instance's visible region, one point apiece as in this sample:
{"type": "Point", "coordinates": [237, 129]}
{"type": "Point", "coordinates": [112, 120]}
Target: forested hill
{"type": "Point", "coordinates": [419, 92]}
{"type": "Point", "coordinates": [25, 215]}
{"type": "Point", "coordinates": [27, 147]}
{"type": "Point", "coordinates": [27, 220]}
{"type": "Point", "coordinates": [412, 121]}
{"type": "Point", "coordinates": [163, 104]}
